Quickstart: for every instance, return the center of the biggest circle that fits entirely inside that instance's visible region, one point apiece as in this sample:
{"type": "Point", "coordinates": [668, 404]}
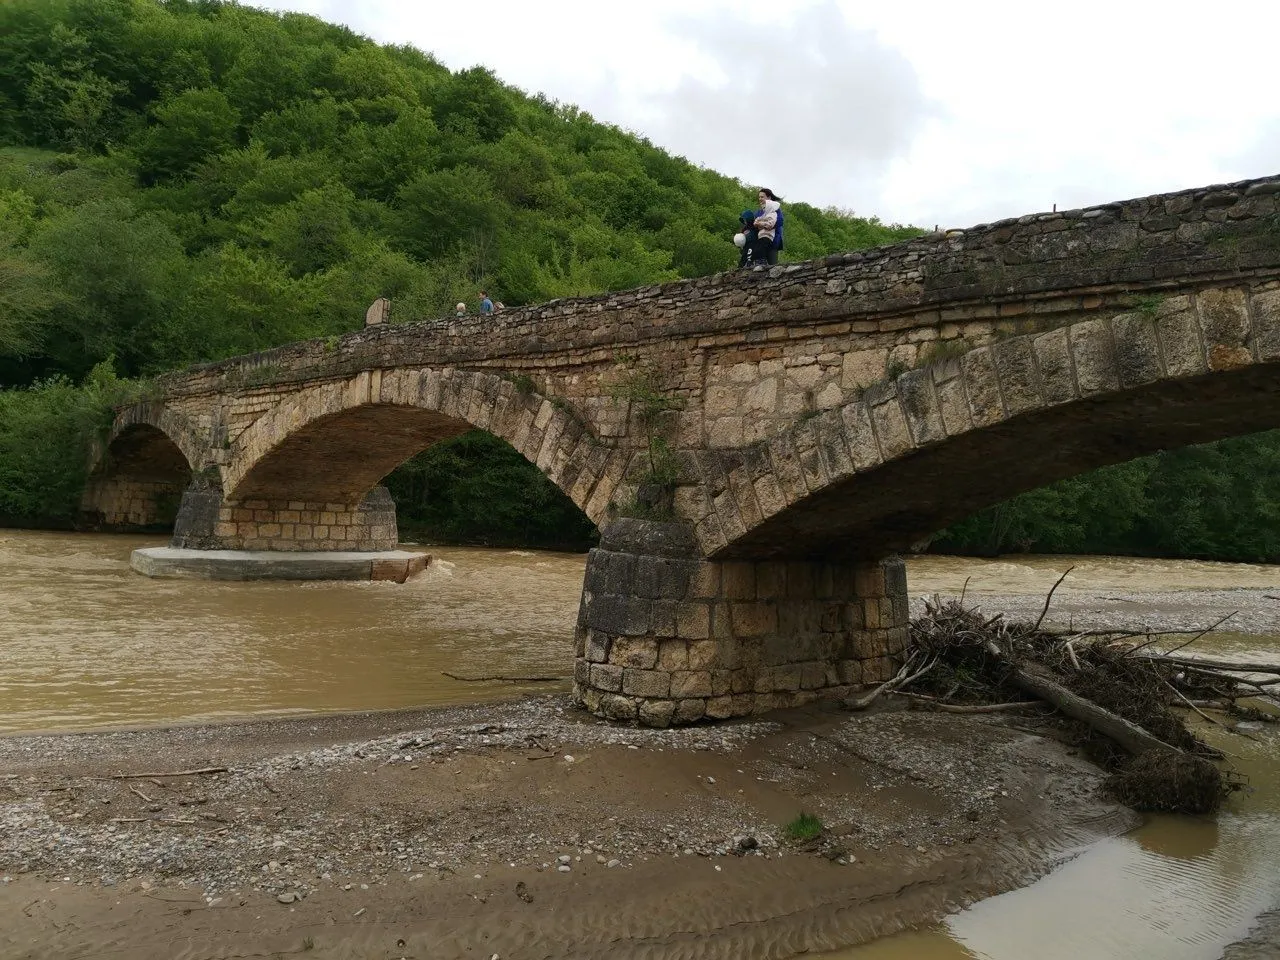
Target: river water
{"type": "Point", "coordinates": [85, 643]}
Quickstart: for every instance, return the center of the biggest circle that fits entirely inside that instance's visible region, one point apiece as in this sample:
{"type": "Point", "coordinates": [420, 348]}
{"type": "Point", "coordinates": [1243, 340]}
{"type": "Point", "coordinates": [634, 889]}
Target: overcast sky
{"type": "Point", "coordinates": [921, 112]}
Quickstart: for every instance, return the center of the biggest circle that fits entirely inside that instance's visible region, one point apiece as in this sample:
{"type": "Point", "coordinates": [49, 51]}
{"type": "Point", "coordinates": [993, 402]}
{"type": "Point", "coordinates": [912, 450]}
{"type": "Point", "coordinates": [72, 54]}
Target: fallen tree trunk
{"type": "Point", "coordinates": [1128, 735]}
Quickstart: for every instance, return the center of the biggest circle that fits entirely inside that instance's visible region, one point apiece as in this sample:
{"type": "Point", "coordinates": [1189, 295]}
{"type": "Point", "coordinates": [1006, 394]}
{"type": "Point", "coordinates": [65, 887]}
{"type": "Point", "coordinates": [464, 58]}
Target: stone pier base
{"type": "Point", "coordinates": [666, 638]}
{"type": "Point", "coordinates": [397, 565]}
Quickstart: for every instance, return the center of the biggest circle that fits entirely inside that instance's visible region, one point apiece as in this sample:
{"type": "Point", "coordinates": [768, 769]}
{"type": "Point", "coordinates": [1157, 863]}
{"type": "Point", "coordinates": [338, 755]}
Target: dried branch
{"type": "Point", "coordinates": [502, 678]}
{"type": "Point", "coordinates": [175, 773]}
{"type": "Point", "coordinates": [1040, 619]}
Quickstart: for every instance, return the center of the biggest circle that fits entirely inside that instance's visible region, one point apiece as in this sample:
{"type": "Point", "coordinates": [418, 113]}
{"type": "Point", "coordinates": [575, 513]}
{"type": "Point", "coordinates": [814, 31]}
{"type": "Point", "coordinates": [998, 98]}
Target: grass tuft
{"type": "Point", "coordinates": [803, 828]}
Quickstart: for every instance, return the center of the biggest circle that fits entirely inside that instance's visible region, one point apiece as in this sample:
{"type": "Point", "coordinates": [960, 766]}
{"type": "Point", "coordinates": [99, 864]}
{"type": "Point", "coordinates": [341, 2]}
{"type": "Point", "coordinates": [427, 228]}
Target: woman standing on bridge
{"type": "Point", "coordinates": [768, 224]}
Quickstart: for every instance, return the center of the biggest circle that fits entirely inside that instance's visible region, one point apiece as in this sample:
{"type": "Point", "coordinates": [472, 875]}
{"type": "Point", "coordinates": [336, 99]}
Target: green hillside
{"type": "Point", "coordinates": [187, 180]}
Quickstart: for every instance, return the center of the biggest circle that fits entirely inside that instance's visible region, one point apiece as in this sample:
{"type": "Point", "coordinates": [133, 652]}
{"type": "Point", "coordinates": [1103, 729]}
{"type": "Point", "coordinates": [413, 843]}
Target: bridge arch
{"type": "Point", "coordinates": [139, 473]}
{"type": "Point", "coordinates": [333, 442]}
{"type": "Point", "coordinates": [917, 453]}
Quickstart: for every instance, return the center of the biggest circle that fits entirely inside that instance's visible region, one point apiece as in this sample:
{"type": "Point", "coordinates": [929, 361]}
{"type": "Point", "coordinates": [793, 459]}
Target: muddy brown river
{"type": "Point", "coordinates": [85, 643]}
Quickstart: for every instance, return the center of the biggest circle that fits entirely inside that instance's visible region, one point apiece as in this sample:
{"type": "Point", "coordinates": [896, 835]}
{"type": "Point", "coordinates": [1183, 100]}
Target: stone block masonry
{"type": "Point", "coordinates": [288, 525]}
{"type": "Point", "coordinates": [123, 505]}
{"type": "Point", "coordinates": [664, 637]}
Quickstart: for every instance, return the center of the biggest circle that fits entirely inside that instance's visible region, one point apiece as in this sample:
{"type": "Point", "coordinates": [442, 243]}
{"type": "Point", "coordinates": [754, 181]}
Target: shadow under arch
{"type": "Point", "coordinates": [476, 489]}
{"type": "Point", "coordinates": [138, 481]}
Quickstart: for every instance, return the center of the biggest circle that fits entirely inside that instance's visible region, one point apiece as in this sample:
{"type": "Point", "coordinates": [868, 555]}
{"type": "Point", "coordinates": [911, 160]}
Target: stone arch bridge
{"type": "Point", "coordinates": [828, 414]}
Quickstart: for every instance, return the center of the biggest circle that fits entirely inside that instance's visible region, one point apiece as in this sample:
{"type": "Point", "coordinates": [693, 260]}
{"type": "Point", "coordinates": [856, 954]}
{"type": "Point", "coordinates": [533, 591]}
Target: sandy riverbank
{"type": "Point", "coordinates": [441, 833]}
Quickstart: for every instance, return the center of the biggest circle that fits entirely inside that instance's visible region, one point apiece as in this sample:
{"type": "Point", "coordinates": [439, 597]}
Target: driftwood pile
{"type": "Point", "coordinates": [1125, 699]}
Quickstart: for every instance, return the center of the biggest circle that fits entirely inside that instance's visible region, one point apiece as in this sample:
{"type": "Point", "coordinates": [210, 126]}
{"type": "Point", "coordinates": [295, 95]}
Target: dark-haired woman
{"type": "Point", "coordinates": [768, 226]}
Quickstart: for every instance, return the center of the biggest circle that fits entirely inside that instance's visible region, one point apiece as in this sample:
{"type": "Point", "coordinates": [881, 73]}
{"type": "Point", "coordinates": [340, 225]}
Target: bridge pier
{"type": "Point", "coordinates": [664, 637]}
{"type": "Point", "coordinates": [281, 540]}
{"type": "Point", "coordinates": [207, 521]}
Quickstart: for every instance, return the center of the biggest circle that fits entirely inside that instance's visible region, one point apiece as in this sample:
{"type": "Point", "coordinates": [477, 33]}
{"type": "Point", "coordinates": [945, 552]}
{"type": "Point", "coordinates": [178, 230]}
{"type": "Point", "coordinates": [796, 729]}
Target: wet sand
{"type": "Point", "coordinates": [442, 833]}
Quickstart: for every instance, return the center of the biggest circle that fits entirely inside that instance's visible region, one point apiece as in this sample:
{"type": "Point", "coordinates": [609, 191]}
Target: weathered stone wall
{"type": "Point", "coordinates": [664, 637]}
{"type": "Point", "coordinates": [299, 525]}
{"type": "Point", "coordinates": [120, 505]}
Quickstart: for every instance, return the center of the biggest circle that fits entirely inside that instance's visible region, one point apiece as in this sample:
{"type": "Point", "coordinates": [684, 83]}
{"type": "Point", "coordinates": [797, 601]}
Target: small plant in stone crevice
{"type": "Point", "coordinates": [894, 367]}
{"type": "Point", "coordinates": [640, 385]}
{"type": "Point", "coordinates": [940, 351]}
{"type": "Point", "coordinates": [521, 381]}
{"type": "Point", "coordinates": [803, 828]}
{"type": "Point", "coordinates": [1148, 305]}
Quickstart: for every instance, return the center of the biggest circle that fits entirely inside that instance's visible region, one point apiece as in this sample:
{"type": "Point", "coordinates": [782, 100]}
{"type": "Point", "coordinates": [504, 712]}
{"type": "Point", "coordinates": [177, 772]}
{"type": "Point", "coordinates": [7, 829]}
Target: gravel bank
{"type": "Point", "coordinates": [388, 814]}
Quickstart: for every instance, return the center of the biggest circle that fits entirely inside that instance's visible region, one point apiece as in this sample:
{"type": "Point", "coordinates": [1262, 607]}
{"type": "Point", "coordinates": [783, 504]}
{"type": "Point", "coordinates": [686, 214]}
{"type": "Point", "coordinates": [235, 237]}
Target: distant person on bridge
{"type": "Point", "coordinates": [486, 305]}
{"type": "Point", "coordinates": [768, 224]}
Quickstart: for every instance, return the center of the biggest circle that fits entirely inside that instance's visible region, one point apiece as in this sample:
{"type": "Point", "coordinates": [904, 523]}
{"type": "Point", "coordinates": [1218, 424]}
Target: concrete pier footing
{"type": "Point", "coordinates": [397, 565]}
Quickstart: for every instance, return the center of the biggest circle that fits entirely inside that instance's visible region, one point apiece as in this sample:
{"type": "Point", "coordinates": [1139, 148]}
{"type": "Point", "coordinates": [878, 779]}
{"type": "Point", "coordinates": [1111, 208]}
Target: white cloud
{"type": "Point", "coordinates": [925, 112]}
{"type": "Point", "coordinates": [815, 95]}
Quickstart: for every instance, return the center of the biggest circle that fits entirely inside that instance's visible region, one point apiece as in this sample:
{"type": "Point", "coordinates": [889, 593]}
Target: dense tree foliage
{"type": "Point", "coordinates": [478, 489]}
{"type": "Point", "coordinates": [1219, 501]}
{"type": "Point", "coordinates": [186, 180]}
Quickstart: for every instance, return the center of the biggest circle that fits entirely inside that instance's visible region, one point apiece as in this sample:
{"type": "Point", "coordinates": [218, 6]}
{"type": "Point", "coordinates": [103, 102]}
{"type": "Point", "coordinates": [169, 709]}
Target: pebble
{"type": "Point", "coordinates": [613, 863]}
{"type": "Point", "coordinates": [564, 858]}
{"type": "Point", "coordinates": [564, 868]}
{"type": "Point", "coordinates": [288, 898]}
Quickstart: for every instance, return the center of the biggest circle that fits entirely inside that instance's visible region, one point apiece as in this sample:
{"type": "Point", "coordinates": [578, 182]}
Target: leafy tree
{"type": "Point", "coordinates": [241, 303]}
{"type": "Point", "coordinates": [313, 232]}
{"type": "Point", "coordinates": [440, 211]}
{"type": "Point", "coordinates": [119, 271]}
{"type": "Point", "coordinates": [44, 433]}
{"type": "Point", "coordinates": [191, 126]}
